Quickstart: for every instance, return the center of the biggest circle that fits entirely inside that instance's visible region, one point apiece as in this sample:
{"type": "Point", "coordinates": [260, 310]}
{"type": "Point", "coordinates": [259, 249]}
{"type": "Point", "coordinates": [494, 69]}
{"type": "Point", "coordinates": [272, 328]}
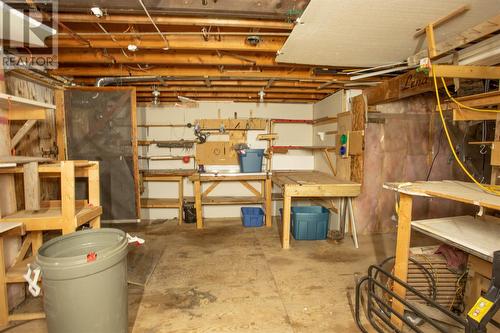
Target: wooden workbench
{"type": "Point", "coordinates": [309, 184]}
{"type": "Point", "coordinates": [264, 196]}
{"type": "Point", "coordinates": [450, 230]}
{"type": "Point", "coordinates": [163, 175]}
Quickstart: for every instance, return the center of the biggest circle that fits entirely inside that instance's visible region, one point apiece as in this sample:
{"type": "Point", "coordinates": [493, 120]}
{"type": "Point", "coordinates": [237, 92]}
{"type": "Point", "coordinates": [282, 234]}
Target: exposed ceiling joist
{"type": "Point", "coordinates": [178, 21]}
{"type": "Point", "coordinates": [297, 74]}
{"type": "Point", "coordinates": [182, 42]}
{"type": "Point", "coordinates": [160, 57]}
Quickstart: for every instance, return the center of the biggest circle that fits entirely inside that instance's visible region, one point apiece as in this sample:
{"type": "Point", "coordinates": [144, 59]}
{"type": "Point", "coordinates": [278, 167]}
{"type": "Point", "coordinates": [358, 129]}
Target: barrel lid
{"type": "Point", "coordinates": [82, 247]}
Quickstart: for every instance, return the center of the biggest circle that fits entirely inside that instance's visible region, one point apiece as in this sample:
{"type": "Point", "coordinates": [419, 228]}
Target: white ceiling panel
{"type": "Point", "coordinates": [366, 33]}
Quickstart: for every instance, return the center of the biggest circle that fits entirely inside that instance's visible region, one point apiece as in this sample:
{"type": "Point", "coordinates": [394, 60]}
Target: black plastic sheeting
{"type": "Point", "coordinates": [99, 128]}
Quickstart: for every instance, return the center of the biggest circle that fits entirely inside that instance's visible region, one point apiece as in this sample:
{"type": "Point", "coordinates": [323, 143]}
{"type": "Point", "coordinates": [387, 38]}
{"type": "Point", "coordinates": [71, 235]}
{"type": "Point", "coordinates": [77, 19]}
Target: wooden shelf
{"type": "Point", "coordinates": [20, 108]}
{"type": "Point", "coordinates": [151, 174]}
{"type": "Point", "coordinates": [51, 218]}
{"type": "Point", "coordinates": [467, 233]}
{"type": "Point", "coordinates": [160, 203]}
{"type": "Point", "coordinates": [15, 273]}
{"type": "Point", "coordinates": [223, 200]}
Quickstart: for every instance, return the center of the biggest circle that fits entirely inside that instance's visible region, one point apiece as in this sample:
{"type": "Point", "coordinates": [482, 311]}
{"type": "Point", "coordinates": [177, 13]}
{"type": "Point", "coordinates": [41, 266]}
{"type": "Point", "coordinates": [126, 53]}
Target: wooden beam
{"type": "Point", "coordinates": [235, 95]}
{"type": "Point", "coordinates": [31, 186]}
{"type": "Point", "coordinates": [402, 253]}
{"type": "Point", "coordinates": [192, 71]}
{"type": "Point", "coordinates": [174, 20]}
{"type": "Point", "coordinates": [161, 57]}
{"type": "Point", "coordinates": [147, 90]}
{"type": "Point", "coordinates": [470, 35]}
{"type": "Point", "coordinates": [60, 124]}
{"type": "Point", "coordinates": [22, 132]}
{"type": "Point", "coordinates": [405, 85]}
{"type": "Point", "coordinates": [179, 42]}
{"type": "Point", "coordinates": [460, 10]}
{"type": "Point", "coordinates": [467, 72]}
{"type": "Point", "coordinates": [38, 114]}
{"type": "Point", "coordinates": [431, 41]}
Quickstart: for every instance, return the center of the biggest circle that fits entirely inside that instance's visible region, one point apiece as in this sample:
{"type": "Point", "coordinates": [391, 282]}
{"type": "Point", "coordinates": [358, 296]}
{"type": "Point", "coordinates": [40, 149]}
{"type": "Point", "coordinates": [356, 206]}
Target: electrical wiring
{"type": "Point", "coordinates": [488, 188]}
{"type": "Point", "coordinates": [463, 105]}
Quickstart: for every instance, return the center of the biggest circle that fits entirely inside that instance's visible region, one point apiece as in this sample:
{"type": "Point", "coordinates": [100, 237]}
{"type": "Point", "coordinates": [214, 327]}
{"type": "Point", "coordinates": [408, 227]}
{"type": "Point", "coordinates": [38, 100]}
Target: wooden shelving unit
{"type": "Point", "coordinates": [202, 198]}
{"type": "Point", "coordinates": [20, 108]}
{"type": "Point", "coordinates": [66, 214]}
{"type": "Point", "coordinates": [166, 176]}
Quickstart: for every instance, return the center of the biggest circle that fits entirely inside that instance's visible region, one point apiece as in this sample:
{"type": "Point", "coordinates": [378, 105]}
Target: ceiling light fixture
{"type": "Point", "coordinates": [97, 12]}
{"type": "Point", "coordinates": [132, 47]}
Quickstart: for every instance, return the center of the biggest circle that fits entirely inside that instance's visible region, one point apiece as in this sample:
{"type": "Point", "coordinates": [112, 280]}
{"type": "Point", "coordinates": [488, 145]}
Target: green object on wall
{"type": "Point", "coordinates": [343, 139]}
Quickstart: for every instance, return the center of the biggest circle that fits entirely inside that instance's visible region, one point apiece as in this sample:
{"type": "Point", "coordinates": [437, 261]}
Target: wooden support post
{"type": "Point", "coordinates": [31, 186]}
{"type": "Point", "coordinates": [431, 41]}
{"type": "Point", "coordinates": [181, 199]}
{"type": "Point", "coordinates": [94, 192]}
{"type": "Point", "coordinates": [68, 196]}
{"type": "Point", "coordinates": [36, 241]}
{"type": "Point", "coordinates": [4, 300]}
{"type": "Point", "coordinates": [402, 253]}
{"type": "Point", "coordinates": [268, 192]}
{"type": "Point", "coordinates": [197, 204]}
{"type": "Point", "coordinates": [60, 124]}
{"type": "Point", "coordinates": [287, 206]}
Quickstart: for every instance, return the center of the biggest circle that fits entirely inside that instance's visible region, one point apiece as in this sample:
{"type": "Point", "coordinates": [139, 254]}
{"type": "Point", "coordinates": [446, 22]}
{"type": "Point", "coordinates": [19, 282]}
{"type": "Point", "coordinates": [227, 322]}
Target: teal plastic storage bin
{"type": "Point", "coordinates": [251, 160]}
{"type": "Point", "coordinates": [252, 216]}
{"type": "Point", "coordinates": [310, 222]}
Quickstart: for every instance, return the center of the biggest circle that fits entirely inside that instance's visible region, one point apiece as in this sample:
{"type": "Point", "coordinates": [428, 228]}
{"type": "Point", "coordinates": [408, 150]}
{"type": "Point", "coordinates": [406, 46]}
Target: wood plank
{"type": "Point", "coordinates": [159, 203]}
{"type": "Point", "coordinates": [252, 189]}
{"type": "Point", "coordinates": [23, 159]}
{"type": "Point", "coordinates": [227, 200]}
{"type": "Point", "coordinates": [197, 203]}
{"type": "Point", "coordinates": [135, 151]}
{"type": "Point", "coordinates": [60, 124]}
{"type": "Point", "coordinates": [268, 193]}
{"type": "Point", "coordinates": [466, 72]}
{"type": "Point", "coordinates": [464, 192]}
{"type": "Point", "coordinates": [474, 236]}
{"type": "Point", "coordinates": [68, 197]}
{"type": "Point", "coordinates": [31, 186]}
{"type": "Point", "coordinates": [4, 304]}
{"type": "Point", "coordinates": [472, 34]}
{"type": "Point", "coordinates": [22, 132]}
{"type": "Point", "coordinates": [460, 10]}
{"type": "Point", "coordinates": [402, 254]}
{"type": "Point", "coordinates": [466, 115]}
{"type": "Point", "coordinates": [11, 102]}
{"type": "Point", "coordinates": [287, 206]}
{"type": "Point", "coordinates": [210, 188]}
{"type": "Point", "coordinates": [176, 21]}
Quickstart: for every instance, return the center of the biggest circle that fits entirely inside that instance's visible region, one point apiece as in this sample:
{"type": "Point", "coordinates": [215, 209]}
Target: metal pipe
{"type": "Point", "coordinates": [104, 81]}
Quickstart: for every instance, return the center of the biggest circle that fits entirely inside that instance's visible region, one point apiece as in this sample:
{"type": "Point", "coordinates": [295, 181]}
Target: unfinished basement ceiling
{"type": "Point", "coordinates": [367, 33]}
{"type": "Point", "coordinates": [209, 57]}
{"type": "Point", "coordinates": [266, 9]}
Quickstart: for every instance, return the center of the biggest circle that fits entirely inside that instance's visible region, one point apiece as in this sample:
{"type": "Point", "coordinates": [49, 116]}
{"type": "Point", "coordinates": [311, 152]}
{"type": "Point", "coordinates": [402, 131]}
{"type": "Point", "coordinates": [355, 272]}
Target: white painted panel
{"type": "Point", "coordinates": [289, 135]}
{"type": "Point", "coordinates": [368, 33]}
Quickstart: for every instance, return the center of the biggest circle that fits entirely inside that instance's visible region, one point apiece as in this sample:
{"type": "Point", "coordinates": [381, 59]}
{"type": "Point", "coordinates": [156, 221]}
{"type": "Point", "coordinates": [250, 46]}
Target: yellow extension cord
{"type": "Point", "coordinates": [488, 188]}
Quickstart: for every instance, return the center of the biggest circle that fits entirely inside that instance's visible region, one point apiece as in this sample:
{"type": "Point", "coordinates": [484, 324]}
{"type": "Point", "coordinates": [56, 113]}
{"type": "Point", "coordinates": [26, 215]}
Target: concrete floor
{"type": "Point", "coordinates": [227, 278]}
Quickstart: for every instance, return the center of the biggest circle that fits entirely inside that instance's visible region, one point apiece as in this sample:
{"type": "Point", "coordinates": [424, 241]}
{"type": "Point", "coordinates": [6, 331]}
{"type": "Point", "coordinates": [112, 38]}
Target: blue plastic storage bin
{"type": "Point", "coordinates": [309, 222]}
{"type": "Point", "coordinates": [251, 160]}
{"type": "Point", "coordinates": [252, 216]}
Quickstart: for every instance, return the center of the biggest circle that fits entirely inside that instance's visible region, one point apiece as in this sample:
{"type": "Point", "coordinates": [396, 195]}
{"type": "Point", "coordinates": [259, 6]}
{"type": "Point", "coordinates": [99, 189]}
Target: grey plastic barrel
{"type": "Point", "coordinates": [83, 294]}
